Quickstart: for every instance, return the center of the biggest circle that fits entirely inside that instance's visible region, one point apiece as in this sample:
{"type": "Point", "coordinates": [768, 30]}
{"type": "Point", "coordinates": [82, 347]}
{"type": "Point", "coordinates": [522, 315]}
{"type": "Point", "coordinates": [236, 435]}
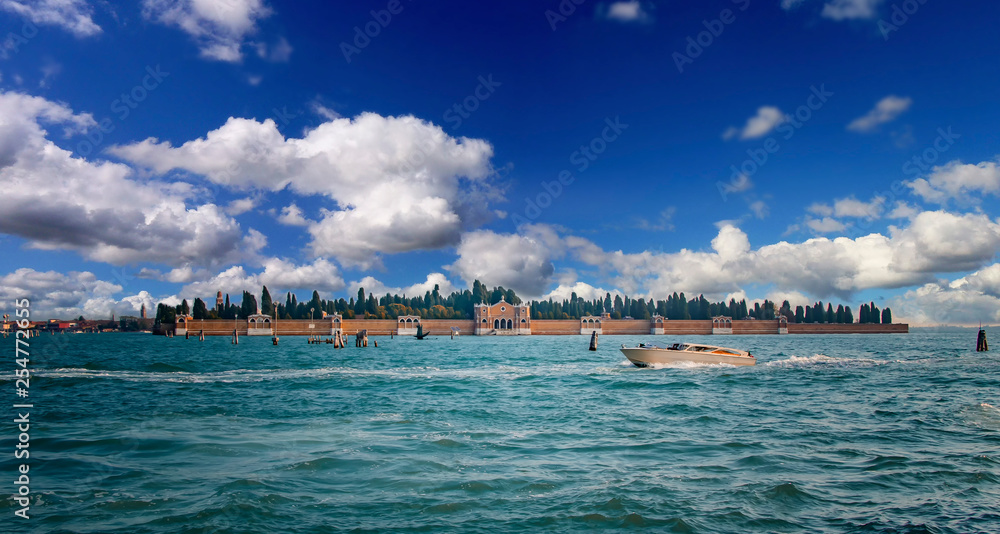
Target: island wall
{"type": "Point", "coordinates": [544, 327]}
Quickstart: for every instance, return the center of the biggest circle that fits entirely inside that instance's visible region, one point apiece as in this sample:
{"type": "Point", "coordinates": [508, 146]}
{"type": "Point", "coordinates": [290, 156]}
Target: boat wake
{"type": "Point", "coordinates": [822, 360]}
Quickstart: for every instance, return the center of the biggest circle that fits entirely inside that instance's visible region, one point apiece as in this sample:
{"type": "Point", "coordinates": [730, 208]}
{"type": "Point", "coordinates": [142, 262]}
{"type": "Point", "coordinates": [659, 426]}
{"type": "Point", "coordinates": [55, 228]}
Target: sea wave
{"type": "Point", "coordinates": [818, 360]}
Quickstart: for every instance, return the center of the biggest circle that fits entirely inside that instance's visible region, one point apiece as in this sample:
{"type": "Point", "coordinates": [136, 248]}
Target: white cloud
{"type": "Point", "coordinates": [58, 201]}
{"type": "Point", "coordinates": [73, 16]}
{"type": "Point", "coordinates": [826, 225]}
{"type": "Point", "coordinates": [583, 290]}
{"type": "Point", "coordinates": [903, 210]}
{"type": "Point", "coordinates": [968, 300]}
{"type": "Point", "coordinates": [219, 27]}
{"type": "Point", "coordinates": [514, 261]}
{"type": "Point", "coordinates": [958, 181]}
{"type": "Point", "coordinates": [935, 242]}
{"type": "Point", "coordinates": [938, 241]}
{"type": "Point", "coordinates": [627, 11]}
{"type": "Point", "coordinates": [279, 52]}
{"type": "Point", "coordinates": [886, 110]}
{"type": "Point", "coordinates": [850, 9]}
{"type": "Point", "coordinates": [399, 183]}
{"type": "Point", "coordinates": [852, 207]}
{"type": "Point", "coordinates": [767, 119]}
{"type": "Point", "coordinates": [291, 215]}
{"type": "Point", "coordinates": [823, 210]}
{"type": "Point", "coordinates": [278, 275]}
{"type": "Point", "coordinates": [372, 286]}
{"type": "Point", "coordinates": [241, 206]}
{"type": "Point", "coordinates": [324, 111]}
{"type": "Point", "coordinates": [841, 9]}
{"type": "Point", "coordinates": [68, 296]}
{"type": "Point", "coordinates": [759, 209]}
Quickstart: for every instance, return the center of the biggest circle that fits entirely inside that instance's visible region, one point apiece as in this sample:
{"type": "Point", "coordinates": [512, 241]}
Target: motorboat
{"type": "Point", "coordinates": [646, 354]}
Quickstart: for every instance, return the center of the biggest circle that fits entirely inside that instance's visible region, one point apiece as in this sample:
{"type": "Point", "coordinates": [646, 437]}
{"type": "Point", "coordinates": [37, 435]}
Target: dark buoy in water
{"type": "Point", "coordinates": [593, 341]}
{"type": "Point", "coordinates": [981, 344]}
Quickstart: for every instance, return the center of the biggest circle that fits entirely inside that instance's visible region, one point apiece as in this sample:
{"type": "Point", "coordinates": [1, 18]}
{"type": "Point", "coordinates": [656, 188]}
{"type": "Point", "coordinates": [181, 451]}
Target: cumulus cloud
{"type": "Point", "coordinates": [220, 28]}
{"type": "Point", "coordinates": [958, 181]}
{"type": "Point", "coordinates": [70, 295]}
{"type": "Point", "coordinates": [58, 201]}
{"type": "Point", "coordinates": [968, 300]}
{"type": "Point", "coordinates": [767, 119]}
{"type": "Point", "coordinates": [517, 262]}
{"type": "Point", "coordinates": [73, 16]}
{"type": "Point", "coordinates": [278, 275]}
{"type": "Point", "coordinates": [627, 11]}
{"type": "Point", "coordinates": [886, 110]}
{"type": "Point", "coordinates": [399, 183]}
{"type": "Point", "coordinates": [934, 242]}
{"type": "Point", "coordinates": [826, 225]}
{"type": "Point", "coordinates": [583, 290]}
{"type": "Point", "coordinates": [292, 215]}
{"type": "Point", "coordinates": [852, 207]}
{"type": "Point", "coordinates": [375, 287]}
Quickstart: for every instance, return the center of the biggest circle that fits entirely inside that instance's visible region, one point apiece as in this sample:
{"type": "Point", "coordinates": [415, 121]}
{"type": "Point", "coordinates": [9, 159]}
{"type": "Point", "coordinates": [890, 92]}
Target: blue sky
{"type": "Point", "coordinates": [841, 150]}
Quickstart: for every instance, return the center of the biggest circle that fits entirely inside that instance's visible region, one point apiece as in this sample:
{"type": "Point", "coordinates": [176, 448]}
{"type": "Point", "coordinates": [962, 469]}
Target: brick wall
{"type": "Point", "coordinates": [442, 327]}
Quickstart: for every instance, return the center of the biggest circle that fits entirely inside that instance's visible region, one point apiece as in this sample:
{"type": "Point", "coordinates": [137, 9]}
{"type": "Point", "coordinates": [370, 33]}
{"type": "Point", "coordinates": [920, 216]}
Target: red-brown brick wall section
{"type": "Point", "coordinates": [677, 328]}
{"type": "Point", "coordinates": [442, 327]}
{"type": "Point", "coordinates": [802, 328]}
{"type": "Point", "coordinates": [550, 327]}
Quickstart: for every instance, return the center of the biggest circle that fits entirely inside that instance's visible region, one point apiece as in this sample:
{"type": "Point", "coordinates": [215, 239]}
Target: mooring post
{"type": "Point", "coordinates": [981, 344]}
{"type": "Point", "coordinates": [593, 341]}
{"type": "Point", "coordinates": [236, 337]}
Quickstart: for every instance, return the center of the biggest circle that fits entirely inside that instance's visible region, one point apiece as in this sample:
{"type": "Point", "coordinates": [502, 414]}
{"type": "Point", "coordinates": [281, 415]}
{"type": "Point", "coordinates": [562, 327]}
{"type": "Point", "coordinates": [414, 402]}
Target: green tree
{"type": "Point", "coordinates": [800, 316]}
{"type": "Point", "coordinates": [887, 316]}
{"type": "Point", "coordinates": [848, 315]}
{"type": "Point", "coordinates": [266, 306]}
{"type": "Point", "coordinates": [200, 310]}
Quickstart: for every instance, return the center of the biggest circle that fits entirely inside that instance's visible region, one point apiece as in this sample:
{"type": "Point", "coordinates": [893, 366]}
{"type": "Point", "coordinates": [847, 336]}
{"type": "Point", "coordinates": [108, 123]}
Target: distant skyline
{"type": "Point", "coordinates": [835, 150]}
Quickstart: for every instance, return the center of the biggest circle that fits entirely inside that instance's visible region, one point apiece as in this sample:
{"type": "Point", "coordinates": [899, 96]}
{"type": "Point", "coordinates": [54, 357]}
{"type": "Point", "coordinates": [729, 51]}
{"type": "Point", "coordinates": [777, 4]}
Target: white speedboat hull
{"type": "Point", "coordinates": [647, 356]}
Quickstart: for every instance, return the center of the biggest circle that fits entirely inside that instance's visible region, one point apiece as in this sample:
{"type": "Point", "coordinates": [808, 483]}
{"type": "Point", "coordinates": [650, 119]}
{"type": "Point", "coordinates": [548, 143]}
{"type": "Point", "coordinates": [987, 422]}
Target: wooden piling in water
{"type": "Point", "coordinates": [201, 336]}
{"type": "Point", "coordinates": [981, 344]}
{"type": "Point", "coordinates": [593, 341]}
{"type": "Point", "coordinates": [236, 337]}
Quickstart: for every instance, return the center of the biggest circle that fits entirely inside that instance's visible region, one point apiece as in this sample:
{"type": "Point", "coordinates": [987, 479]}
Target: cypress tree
{"type": "Point", "coordinates": [266, 306]}
{"type": "Point", "coordinates": [887, 316]}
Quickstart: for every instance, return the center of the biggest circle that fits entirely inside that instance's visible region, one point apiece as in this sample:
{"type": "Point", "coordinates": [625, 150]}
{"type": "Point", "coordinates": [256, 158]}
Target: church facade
{"type": "Point", "coordinates": [503, 319]}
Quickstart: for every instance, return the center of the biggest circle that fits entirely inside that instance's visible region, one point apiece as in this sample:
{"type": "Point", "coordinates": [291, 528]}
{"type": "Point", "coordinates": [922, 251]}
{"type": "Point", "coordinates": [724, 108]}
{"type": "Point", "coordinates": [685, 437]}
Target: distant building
{"type": "Point", "coordinates": [143, 312]}
{"type": "Point", "coordinates": [218, 301]}
{"type": "Point", "coordinates": [503, 318]}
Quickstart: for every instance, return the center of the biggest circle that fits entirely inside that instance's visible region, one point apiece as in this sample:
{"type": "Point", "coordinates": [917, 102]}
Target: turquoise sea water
{"type": "Point", "coordinates": [849, 433]}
